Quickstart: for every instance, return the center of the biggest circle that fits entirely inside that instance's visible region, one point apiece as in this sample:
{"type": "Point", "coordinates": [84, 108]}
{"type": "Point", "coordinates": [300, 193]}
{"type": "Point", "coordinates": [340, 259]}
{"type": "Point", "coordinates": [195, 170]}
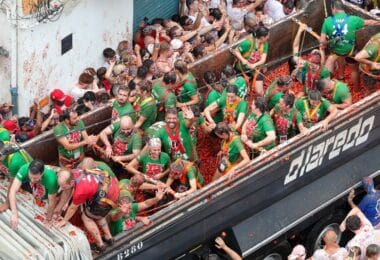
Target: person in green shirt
{"type": "Point", "coordinates": [175, 134]}
{"type": "Point", "coordinates": [121, 106]}
{"type": "Point", "coordinates": [147, 106]}
{"type": "Point", "coordinates": [234, 109]}
{"type": "Point", "coordinates": [276, 90]}
{"type": "Point", "coordinates": [163, 94]}
{"type": "Point", "coordinates": [72, 137]}
{"type": "Point", "coordinates": [336, 92]}
{"type": "Point", "coordinates": [338, 32]}
{"type": "Point", "coordinates": [259, 130]}
{"type": "Point", "coordinates": [369, 58]}
{"type": "Point", "coordinates": [214, 91]}
{"type": "Point", "coordinates": [44, 184]}
{"type": "Point", "coordinates": [4, 134]}
{"type": "Point", "coordinates": [188, 177]}
{"type": "Point", "coordinates": [186, 91]}
{"type": "Point", "coordinates": [308, 70]}
{"type": "Point", "coordinates": [126, 141]}
{"type": "Point", "coordinates": [232, 155]}
{"type": "Point", "coordinates": [314, 109]}
{"type": "Point", "coordinates": [123, 217]}
{"type": "Point", "coordinates": [11, 160]}
{"type": "Point", "coordinates": [229, 74]}
{"type": "Point", "coordinates": [152, 163]}
{"type": "Point", "coordinates": [252, 54]}
{"type": "Point", "coordinates": [286, 118]}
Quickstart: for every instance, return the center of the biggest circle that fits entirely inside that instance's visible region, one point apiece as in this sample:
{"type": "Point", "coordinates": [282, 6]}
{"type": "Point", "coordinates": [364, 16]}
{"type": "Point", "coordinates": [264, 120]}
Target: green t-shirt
{"type": "Point", "coordinates": [125, 110]}
{"type": "Point", "coordinates": [14, 161]}
{"type": "Point", "coordinates": [73, 135]}
{"type": "Point", "coordinates": [191, 174]}
{"type": "Point", "coordinates": [152, 167]}
{"type": "Point", "coordinates": [213, 96]}
{"type": "Point", "coordinates": [158, 92]}
{"type": "Point", "coordinates": [124, 145]}
{"type": "Point", "coordinates": [120, 225]}
{"type": "Point", "coordinates": [250, 51]}
{"type": "Point", "coordinates": [48, 184]}
{"type": "Point", "coordinates": [148, 109]}
{"type": "Point", "coordinates": [272, 96]}
{"type": "Point", "coordinates": [171, 145]}
{"type": "Point", "coordinates": [372, 48]}
{"type": "Point", "coordinates": [241, 85]}
{"type": "Point", "coordinates": [234, 150]}
{"type": "Point", "coordinates": [104, 167]}
{"type": "Point", "coordinates": [315, 115]}
{"type": "Point", "coordinates": [263, 125]}
{"type": "Point", "coordinates": [324, 73]}
{"type": "Point", "coordinates": [293, 118]}
{"type": "Point", "coordinates": [4, 134]}
{"type": "Point", "coordinates": [340, 93]}
{"type": "Point", "coordinates": [188, 89]}
{"type": "Point", "coordinates": [231, 111]}
{"type": "Point", "coordinates": [342, 45]}
{"type": "Point", "coordinates": [153, 129]}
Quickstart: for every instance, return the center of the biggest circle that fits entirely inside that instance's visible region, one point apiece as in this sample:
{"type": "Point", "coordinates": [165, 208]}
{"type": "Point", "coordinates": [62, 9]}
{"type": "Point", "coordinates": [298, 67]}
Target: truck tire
{"type": "Point", "coordinates": [314, 238]}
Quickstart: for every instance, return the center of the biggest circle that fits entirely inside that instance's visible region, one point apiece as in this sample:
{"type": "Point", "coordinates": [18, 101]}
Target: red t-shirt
{"type": "Point", "coordinates": [87, 187]}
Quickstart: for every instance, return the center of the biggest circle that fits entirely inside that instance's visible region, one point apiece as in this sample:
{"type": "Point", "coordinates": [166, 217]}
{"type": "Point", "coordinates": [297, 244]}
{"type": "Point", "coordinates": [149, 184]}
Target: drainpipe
{"type": "Point", "coordinates": [15, 63]}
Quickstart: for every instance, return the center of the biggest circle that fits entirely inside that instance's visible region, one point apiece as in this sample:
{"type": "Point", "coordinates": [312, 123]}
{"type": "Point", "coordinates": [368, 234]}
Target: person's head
{"type": "Point", "coordinates": [89, 96]}
{"type": "Point", "coordinates": [214, 14]}
{"type": "Point", "coordinates": [298, 253]}
{"type": "Point", "coordinates": [372, 252]}
{"type": "Point", "coordinates": [368, 185]}
{"type": "Point", "coordinates": [286, 102]}
{"type": "Point", "coordinates": [283, 82]}
{"type": "Point", "coordinates": [109, 54]}
{"type": "Point", "coordinates": [337, 6]}
{"type": "Point", "coordinates": [165, 50]}
{"type": "Point", "coordinates": [175, 32]}
{"type": "Point", "coordinates": [176, 169]}
{"type": "Point", "coordinates": [137, 180]}
{"type": "Point", "coordinates": [58, 97]}
{"type": "Point", "coordinates": [126, 125]}
{"type": "Point", "coordinates": [149, 64]}
{"type": "Point", "coordinates": [222, 130]}
{"type": "Point", "coordinates": [262, 33]}
{"type": "Point", "coordinates": [122, 95]}
{"type": "Point", "coordinates": [231, 92]}
{"type": "Point", "coordinates": [6, 108]}
{"type": "Point", "coordinates": [36, 170]}
{"type": "Point", "coordinates": [229, 71]}
{"type": "Point", "coordinates": [250, 22]}
{"type": "Point", "coordinates": [288, 6]}
{"type": "Point", "coordinates": [85, 80]}
{"type": "Point", "coordinates": [209, 77]}
{"type": "Point", "coordinates": [315, 58]}
{"type": "Point", "coordinates": [65, 179]}
{"type": "Point", "coordinates": [170, 78]}
{"type": "Point", "coordinates": [81, 108]}
{"type": "Point", "coordinates": [181, 67]}
{"type": "Point", "coordinates": [354, 253]}
{"type": "Point", "coordinates": [125, 201]}
{"type": "Point", "coordinates": [314, 97]}
{"type": "Point", "coordinates": [145, 88]}
{"type": "Point", "coordinates": [171, 117]}
{"type": "Point", "coordinates": [87, 163]}
{"type": "Point", "coordinates": [122, 46]}
{"type": "Point", "coordinates": [330, 237]}
{"type": "Point", "coordinates": [186, 22]}
{"type": "Point", "coordinates": [101, 72]}
{"type": "Point", "coordinates": [238, 3]}
{"type": "Point", "coordinates": [259, 106]}
{"type": "Point", "coordinates": [353, 223]}
{"type": "Point", "coordinates": [26, 124]}
{"type": "Point", "coordinates": [323, 85]}
{"type": "Point", "coordinates": [154, 145]}
{"type": "Point", "coordinates": [103, 98]}
{"type": "Point", "coordinates": [70, 117]}
{"type": "Point", "coordinates": [199, 51]}
{"type": "Point", "coordinates": [192, 4]}
{"type": "Point", "coordinates": [142, 72]}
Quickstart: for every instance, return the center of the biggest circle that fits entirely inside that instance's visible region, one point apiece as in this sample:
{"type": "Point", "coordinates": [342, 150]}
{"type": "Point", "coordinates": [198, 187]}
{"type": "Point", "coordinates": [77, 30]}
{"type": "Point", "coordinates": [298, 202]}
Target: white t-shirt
{"type": "Point", "coordinates": [274, 9]}
{"type": "Point", "coordinates": [321, 254]}
{"type": "Point", "coordinates": [77, 92]}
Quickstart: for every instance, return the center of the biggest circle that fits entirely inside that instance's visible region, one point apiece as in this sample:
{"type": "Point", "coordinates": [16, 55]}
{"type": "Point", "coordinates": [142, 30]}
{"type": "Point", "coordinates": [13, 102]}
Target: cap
{"type": "Point", "coordinates": [176, 44]}
{"type": "Point", "coordinates": [368, 185]}
{"type": "Point", "coordinates": [10, 125]}
{"type": "Point", "coordinates": [298, 251]}
{"type": "Point", "coordinates": [57, 95]}
{"type": "Point", "coordinates": [284, 80]}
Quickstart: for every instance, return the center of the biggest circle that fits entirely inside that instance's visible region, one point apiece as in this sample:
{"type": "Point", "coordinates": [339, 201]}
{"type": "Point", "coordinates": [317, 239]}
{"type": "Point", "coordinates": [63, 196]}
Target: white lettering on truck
{"type": "Point", "coordinates": [313, 156]}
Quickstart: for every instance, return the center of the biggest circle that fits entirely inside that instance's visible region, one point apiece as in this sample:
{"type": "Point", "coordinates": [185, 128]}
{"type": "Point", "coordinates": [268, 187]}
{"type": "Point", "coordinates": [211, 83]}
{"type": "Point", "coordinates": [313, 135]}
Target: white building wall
{"type": "Point", "coordinates": [5, 62]}
{"type": "Point", "coordinates": [95, 25]}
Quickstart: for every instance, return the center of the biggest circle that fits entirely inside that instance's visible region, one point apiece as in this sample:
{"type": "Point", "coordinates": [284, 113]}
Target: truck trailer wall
{"type": "Point", "coordinates": [94, 25]}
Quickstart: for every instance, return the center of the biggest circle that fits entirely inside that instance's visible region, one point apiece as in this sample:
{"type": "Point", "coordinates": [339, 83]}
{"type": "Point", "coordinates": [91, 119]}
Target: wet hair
{"type": "Point", "coordinates": [196, 110]}
{"type": "Point", "coordinates": [36, 167]}
{"type": "Point", "coordinates": [101, 72]}
{"type": "Point", "coordinates": [146, 85]}
{"type": "Point", "coordinates": [89, 96]}
{"type": "Point", "coordinates": [172, 31]}
{"type": "Point", "coordinates": [260, 104]}
{"type": "Point", "coordinates": [122, 46]}
{"type": "Point", "coordinates": [81, 109]}
{"type": "Point", "coordinates": [164, 47]}
{"type": "Point", "coordinates": [148, 63]}
{"type": "Point", "coordinates": [137, 180]}
{"type": "Point", "coordinates": [109, 53]}
{"type": "Point", "coordinates": [198, 51]}
{"type": "Point", "coordinates": [86, 78]}
{"type": "Point", "coordinates": [315, 95]}
{"type": "Point", "coordinates": [354, 251]}
{"type": "Point", "coordinates": [216, 13]}
{"type": "Point", "coordinates": [288, 100]}
{"type": "Point", "coordinates": [103, 98]}
{"type": "Point", "coordinates": [229, 71]}
{"type": "Point", "coordinates": [171, 110]}
{"type": "Point", "coordinates": [170, 77]}
{"type": "Point", "coordinates": [232, 89]}
{"type": "Point", "coordinates": [222, 128]}
{"type": "Point", "coordinates": [142, 72]}
{"type": "Point", "coordinates": [353, 223]}
{"type": "Point", "coordinates": [91, 71]}
{"type": "Point", "coordinates": [181, 66]}
{"type": "Point", "coordinates": [157, 20]}
{"type": "Point", "coordinates": [131, 85]}
{"type": "Point", "coordinates": [123, 88]}
{"type": "Point", "coordinates": [175, 18]}
{"type": "Point", "coordinates": [250, 22]}
{"type": "Point", "coordinates": [337, 4]}
{"type": "Point", "coordinates": [261, 31]}
{"type": "Point", "coordinates": [322, 84]}
{"type": "Point", "coordinates": [209, 77]}
{"type": "Point", "coordinates": [22, 121]}
{"type": "Point", "coordinates": [372, 250]}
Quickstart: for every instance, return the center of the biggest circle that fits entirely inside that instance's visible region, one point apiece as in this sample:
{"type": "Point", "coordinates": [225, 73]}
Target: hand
{"type": "Point", "coordinates": [145, 220]}
{"type": "Point", "coordinates": [116, 159]}
{"type": "Point", "coordinates": [92, 139]}
{"type": "Point", "coordinates": [325, 125]}
{"type": "Point", "coordinates": [178, 195]}
{"type": "Point", "coordinates": [48, 223]}
{"type": "Point", "coordinates": [112, 62]}
{"type": "Point", "coordinates": [160, 193]}
{"type": "Point", "coordinates": [375, 66]}
{"type": "Point", "coordinates": [212, 125]}
{"type": "Point", "coordinates": [14, 221]}
{"type": "Point", "coordinates": [303, 27]}
{"type": "Point", "coordinates": [137, 48]}
{"type": "Point", "coordinates": [61, 223]}
{"type": "Point", "coordinates": [244, 138]}
{"type": "Point", "coordinates": [220, 243]}
{"type": "Point", "coordinates": [351, 195]}
{"type": "Point", "coordinates": [250, 65]}
{"type": "Point", "coordinates": [108, 151]}
{"type": "Point", "coordinates": [187, 112]}
{"type": "Point", "coordinates": [170, 191]}
{"type": "Point", "coordinates": [230, 174]}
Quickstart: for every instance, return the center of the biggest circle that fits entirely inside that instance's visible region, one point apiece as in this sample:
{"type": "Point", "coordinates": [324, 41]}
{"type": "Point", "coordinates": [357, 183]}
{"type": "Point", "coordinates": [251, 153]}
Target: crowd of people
{"type": "Point", "coordinates": [157, 112]}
